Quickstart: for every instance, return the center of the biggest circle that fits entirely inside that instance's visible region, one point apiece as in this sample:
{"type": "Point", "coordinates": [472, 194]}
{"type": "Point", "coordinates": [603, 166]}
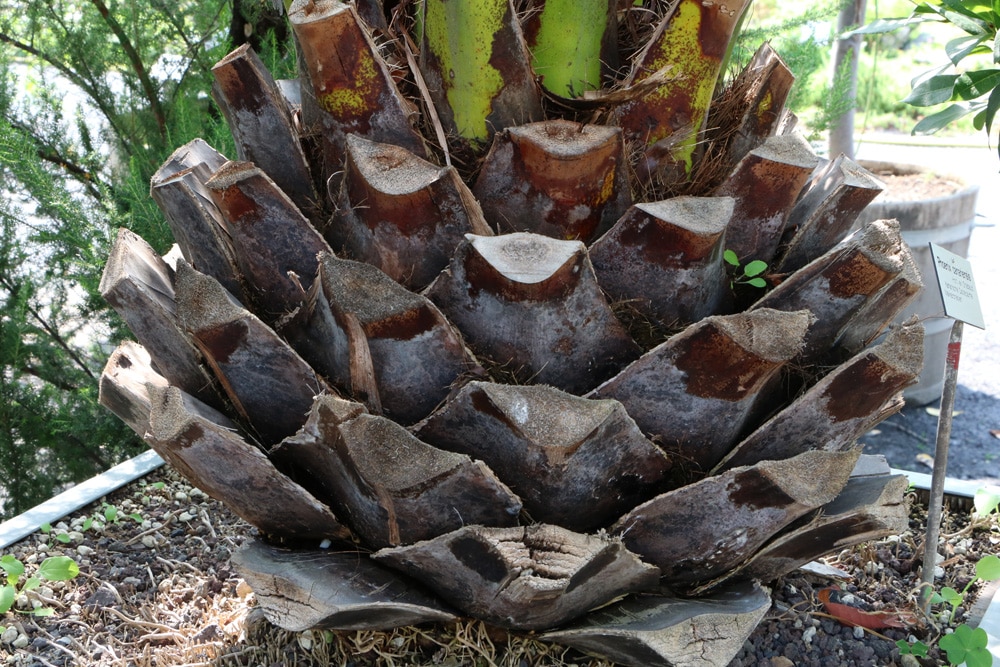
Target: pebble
{"type": "Point", "coordinates": [180, 496]}
{"type": "Point", "coordinates": [243, 589]}
{"type": "Point", "coordinates": [305, 640]}
{"type": "Point", "coordinates": [859, 632]}
{"type": "Point", "coordinates": [149, 541]}
{"type": "Point", "coordinates": [9, 635]}
{"type": "Point", "coordinates": [185, 516]}
{"type": "Point", "coordinates": [809, 634]}
{"type": "Point", "coordinates": [84, 550]}
{"type": "Point", "coordinates": [20, 642]}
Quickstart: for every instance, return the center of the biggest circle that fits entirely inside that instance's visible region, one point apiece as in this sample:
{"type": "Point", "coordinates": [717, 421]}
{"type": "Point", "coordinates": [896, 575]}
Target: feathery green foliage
{"type": "Point", "coordinates": [93, 98]}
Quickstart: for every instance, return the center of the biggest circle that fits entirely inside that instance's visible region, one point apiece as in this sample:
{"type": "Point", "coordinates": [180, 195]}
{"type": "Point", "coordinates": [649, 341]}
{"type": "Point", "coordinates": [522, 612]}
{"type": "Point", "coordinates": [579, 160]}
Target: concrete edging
{"type": "Point", "coordinates": [82, 494]}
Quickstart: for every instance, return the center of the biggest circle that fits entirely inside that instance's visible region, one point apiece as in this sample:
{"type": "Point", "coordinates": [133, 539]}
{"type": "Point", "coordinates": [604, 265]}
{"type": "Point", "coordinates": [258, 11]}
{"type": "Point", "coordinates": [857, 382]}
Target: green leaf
{"type": "Point", "coordinates": [731, 258]}
{"type": "Point", "coordinates": [992, 105]}
{"type": "Point", "coordinates": [919, 649]}
{"type": "Point", "coordinates": [951, 596]}
{"type": "Point", "coordinates": [7, 597]}
{"type": "Point", "coordinates": [63, 537]}
{"type": "Point", "coordinates": [42, 611]}
{"type": "Point", "coordinates": [979, 120]}
{"type": "Point", "coordinates": [966, 645]}
{"type": "Point", "coordinates": [960, 47]}
{"type": "Point", "coordinates": [30, 584]}
{"type": "Point", "coordinates": [986, 501]}
{"type": "Point", "coordinates": [934, 122]}
{"type": "Point", "coordinates": [87, 523]}
{"type": "Point", "coordinates": [13, 567]}
{"type": "Point", "coordinates": [159, 485]}
{"type": "Point", "coordinates": [961, 15]}
{"type": "Point", "coordinates": [110, 513]}
{"type": "Point", "coordinates": [935, 90]}
{"type": "Point", "coordinates": [979, 657]}
{"type": "Point", "coordinates": [46, 528]}
{"type": "Point", "coordinates": [135, 516]}
{"type": "Point", "coordinates": [880, 26]}
{"type": "Point", "coordinates": [972, 85]}
{"type": "Point", "coordinates": [757, 282]}
{"type": "Point", "coordinates": [988, 568]}
{"type": "Point", "coordinates": [58, 568]}
{"type": "Point", "coordinates": [755, 268]}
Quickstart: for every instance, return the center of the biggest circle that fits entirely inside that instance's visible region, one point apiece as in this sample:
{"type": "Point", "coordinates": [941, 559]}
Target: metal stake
{"type": "Point", "coordinates": [936, 504]}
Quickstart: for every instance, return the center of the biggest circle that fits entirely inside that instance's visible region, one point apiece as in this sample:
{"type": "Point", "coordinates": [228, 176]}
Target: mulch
{"type": "Point", "coordinates": [157, 589]}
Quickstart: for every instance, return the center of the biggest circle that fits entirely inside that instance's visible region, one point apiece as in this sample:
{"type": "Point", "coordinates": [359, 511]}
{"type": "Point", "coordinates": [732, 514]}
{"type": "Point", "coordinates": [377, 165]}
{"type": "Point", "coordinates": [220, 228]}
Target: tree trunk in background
{"type": "Point", "coordinates": [846, 60]}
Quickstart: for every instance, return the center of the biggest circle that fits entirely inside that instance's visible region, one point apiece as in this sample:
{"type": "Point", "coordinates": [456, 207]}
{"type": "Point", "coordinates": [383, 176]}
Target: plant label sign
{"type": "Point", "coordinates": [958, 288]}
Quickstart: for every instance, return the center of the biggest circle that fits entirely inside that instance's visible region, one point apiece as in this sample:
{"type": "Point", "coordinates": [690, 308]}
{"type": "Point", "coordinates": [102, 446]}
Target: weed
{"type": "Point", "coordinates": [53, 568]}
{"type": "Point", "coordinates": [752, 273]}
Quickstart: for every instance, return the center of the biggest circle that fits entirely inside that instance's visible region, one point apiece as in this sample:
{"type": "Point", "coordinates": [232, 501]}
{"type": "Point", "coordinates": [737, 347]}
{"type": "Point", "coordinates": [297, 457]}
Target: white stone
{"type": "Point", "coordinates": [809, 634]}
{"type": "Point", "coordinates": [9, 635]}
{"type": "Point", "coordinates": [859, 632]}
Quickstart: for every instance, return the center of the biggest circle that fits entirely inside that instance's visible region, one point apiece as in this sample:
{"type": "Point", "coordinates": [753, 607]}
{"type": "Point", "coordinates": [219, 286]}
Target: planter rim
{"type": "Point", "coordinates": [908, 169]}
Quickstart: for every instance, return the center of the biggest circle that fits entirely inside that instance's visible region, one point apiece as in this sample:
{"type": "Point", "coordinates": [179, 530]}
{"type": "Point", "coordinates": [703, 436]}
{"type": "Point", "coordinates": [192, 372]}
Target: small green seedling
{"type": "Point", "coordinates": [111, 514]}
{"type": "Point", "coordinates": [751, 273]}
{"type": "Point", "coordinates": [53, 568]}
{"type": "Point", "coordinates": [46, 529]}
{"type": "Point", "coordinates": [917, 649]}
{"type": "Point", "coordinates": [967, 646]}
{"type": "Point", "coordinates": [986, 502]}
{"type": "Point", "coordinates": [987, 569]}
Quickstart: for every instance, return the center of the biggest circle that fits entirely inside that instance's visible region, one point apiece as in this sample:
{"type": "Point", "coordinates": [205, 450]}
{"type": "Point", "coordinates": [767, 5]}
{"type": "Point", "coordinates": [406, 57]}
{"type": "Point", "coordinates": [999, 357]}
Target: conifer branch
{"type": "Point", "coordinates": [73, 77]}
{"type": "Point", "coordinates": [50, 330]}
{"type": "Point", "coordinates": [140, 69]}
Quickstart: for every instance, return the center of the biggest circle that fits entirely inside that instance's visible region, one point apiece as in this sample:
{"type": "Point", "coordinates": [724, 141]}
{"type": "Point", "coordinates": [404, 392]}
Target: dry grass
{"type": "Point", "coordinates": [162, 594]}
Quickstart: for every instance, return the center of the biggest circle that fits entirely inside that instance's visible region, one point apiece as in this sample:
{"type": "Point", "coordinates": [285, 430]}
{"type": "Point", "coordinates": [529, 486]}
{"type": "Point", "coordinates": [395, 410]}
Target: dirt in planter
{"type": "Point", "coordinates": [162, 586]}
{"type": "Point", "coordinates": [916, 187]}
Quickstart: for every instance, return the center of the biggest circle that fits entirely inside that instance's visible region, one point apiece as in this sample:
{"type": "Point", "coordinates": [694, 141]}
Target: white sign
{"type": "Point", "coordinates": [958, 288]}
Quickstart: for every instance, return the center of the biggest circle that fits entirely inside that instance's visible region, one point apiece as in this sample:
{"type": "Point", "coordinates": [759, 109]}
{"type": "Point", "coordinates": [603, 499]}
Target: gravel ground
{"type": "Point", "coordinates": [158, 591]}
{"type": "Point", "coordinates": [974, 451]}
